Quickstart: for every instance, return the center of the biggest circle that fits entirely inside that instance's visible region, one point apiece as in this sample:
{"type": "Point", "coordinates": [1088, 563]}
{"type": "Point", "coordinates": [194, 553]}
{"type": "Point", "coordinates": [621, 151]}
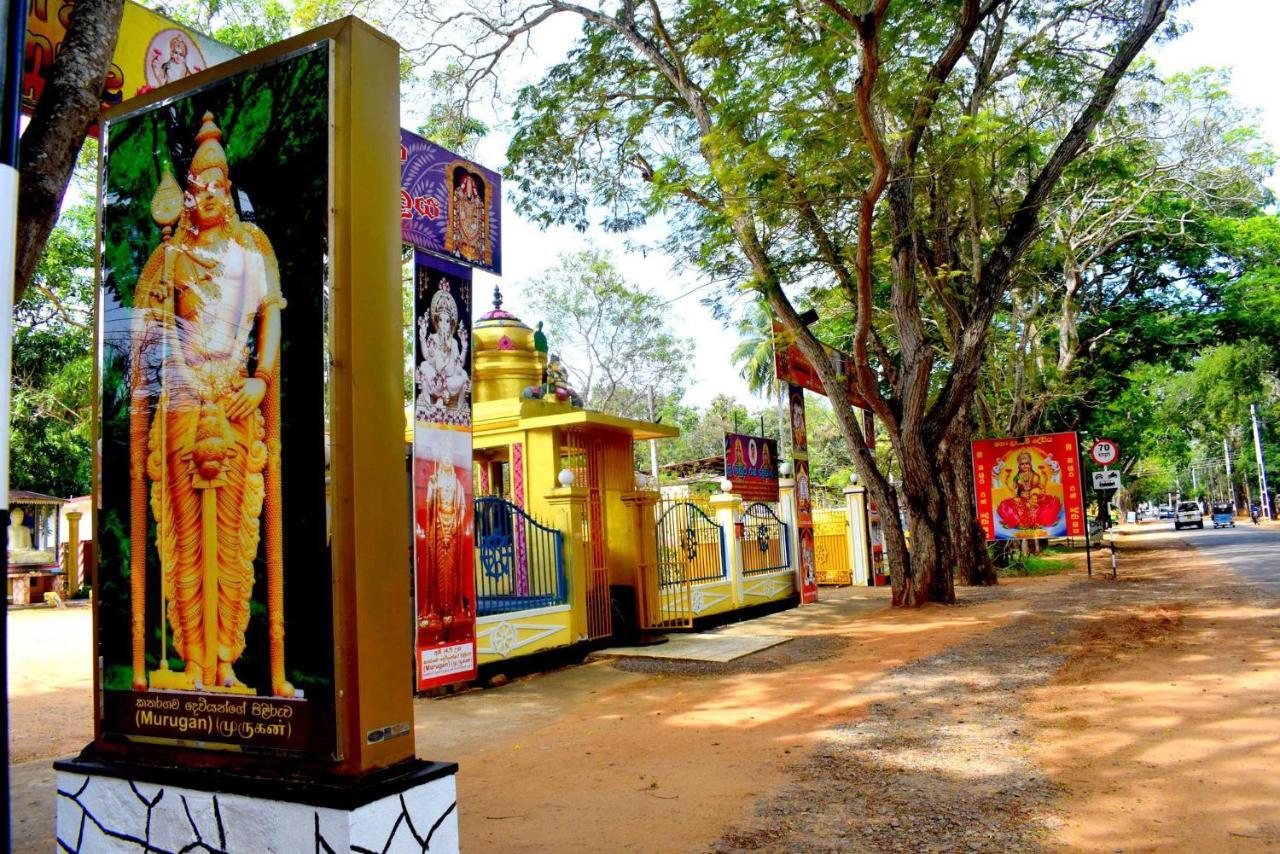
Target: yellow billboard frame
{"type": "Point", "coordinates": [372, 649]}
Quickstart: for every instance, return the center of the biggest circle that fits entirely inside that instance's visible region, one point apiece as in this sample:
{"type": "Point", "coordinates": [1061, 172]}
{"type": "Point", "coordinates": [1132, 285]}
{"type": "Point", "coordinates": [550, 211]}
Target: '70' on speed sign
{"type": "Point", "coordinates": [1104, 452]}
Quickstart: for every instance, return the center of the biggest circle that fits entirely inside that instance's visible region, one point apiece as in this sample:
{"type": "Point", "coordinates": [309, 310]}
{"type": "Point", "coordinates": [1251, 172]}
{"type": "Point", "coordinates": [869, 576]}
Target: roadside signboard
{"type": "Point", "coordinates": [794, 369]}
{"type": "Point", "coordinates": [449, 206]}
{"type": "Point", "coordinates": [1104, 452]}
{"type": "Point", "coordinates": [1106, 479]}
{"type": "Point", "coordinates": [444, 519]}
{"type": "Point", "coordinates": [806, 571]}
{"type": "Point", "coordinates": [1029, 487]}
{"type": "Point", "coordinates": [751, 464]}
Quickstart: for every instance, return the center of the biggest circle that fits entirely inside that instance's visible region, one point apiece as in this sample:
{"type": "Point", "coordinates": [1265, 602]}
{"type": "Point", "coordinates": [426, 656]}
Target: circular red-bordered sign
{"type": "Point", "coordinates": [1104, 452]}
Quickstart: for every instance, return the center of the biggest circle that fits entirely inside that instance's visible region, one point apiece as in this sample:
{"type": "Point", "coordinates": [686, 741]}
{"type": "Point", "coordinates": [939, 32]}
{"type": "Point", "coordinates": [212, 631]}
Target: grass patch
{"type": "Point", "coordinates": [1049, 562]}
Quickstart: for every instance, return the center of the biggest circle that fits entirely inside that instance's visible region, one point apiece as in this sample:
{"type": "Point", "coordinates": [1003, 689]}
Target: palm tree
{"type": "Point", "coordinates": [754, 353]}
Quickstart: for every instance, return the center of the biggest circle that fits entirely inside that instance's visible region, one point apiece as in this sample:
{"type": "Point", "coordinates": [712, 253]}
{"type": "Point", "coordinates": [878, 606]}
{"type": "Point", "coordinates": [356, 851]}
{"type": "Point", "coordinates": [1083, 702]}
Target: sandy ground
{"type": "Point", "coordinates": [50, 682]}
{"type": "Point", "coordinates": [1163, 727]}
{"type": "Point", "coordinates": [1132, 715]}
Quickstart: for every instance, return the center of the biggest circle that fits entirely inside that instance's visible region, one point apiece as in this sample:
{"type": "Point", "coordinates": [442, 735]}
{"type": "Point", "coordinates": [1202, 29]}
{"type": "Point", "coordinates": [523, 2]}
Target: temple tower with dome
{"type": "Point", "coordinates": [561, 528]}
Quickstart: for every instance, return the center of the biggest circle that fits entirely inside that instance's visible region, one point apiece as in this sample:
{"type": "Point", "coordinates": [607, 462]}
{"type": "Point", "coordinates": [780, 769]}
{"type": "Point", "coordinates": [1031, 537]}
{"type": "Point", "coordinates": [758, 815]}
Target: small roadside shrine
{"type": "Point", "coordinates": [35, 539]}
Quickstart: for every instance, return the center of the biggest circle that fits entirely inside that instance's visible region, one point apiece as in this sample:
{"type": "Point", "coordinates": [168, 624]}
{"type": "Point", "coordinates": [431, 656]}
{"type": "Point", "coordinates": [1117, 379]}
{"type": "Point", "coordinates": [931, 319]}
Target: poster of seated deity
{"type": "Point", "coordinates": [214, 589]}
{"type": "Point", "coordinates": [1029, 488]}
{"type": "Point", "coordinates": [442, 343]}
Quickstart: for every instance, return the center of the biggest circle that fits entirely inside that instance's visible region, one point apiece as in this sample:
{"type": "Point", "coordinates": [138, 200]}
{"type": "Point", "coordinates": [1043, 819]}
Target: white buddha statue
{"type": "Point", "coordinates": [19, 534]}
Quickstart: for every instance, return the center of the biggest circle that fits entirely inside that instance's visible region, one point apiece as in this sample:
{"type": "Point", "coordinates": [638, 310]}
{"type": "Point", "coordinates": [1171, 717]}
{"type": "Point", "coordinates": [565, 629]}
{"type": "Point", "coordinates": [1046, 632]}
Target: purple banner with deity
{"type": "Point", "coordinates": [449, 206]}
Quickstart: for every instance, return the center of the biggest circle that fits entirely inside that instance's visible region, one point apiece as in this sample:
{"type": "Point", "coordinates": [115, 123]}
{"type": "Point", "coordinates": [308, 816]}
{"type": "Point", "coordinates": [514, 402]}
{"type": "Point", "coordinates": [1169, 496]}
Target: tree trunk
{"type": "Point", "coordinates": [973, 565]}
{"type": "Point", "coordinates": [68, 106]}
{"type": "Point", "coordinates": [930, 578]}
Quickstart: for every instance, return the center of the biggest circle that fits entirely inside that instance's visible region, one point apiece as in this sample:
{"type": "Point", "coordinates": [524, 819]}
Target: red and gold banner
{"type": "Point", "coordinates": [805, 561]}
{"type": "Point", "coordinates": [443, 515]}
{"type": "Point", "coordinates": [794, 369]}
{"type": "Point", "coordinates": [1029, 488]}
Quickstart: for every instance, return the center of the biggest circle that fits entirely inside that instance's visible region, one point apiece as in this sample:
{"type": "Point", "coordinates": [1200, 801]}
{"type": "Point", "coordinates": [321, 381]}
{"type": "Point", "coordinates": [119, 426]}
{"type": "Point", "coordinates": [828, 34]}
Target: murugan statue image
{"type": "Point", "coordinates": [467, 225]}
{"type": "Point", "coordinates": [1031, 508]}
{"type": "Point", "coordinates": [205, 429]}
{"type": "Point", "coordinates": [443, 381]}
{"type": "Point", "coordinates": [444, 614]}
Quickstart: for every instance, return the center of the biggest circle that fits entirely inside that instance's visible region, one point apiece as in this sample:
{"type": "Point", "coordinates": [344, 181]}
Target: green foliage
{"type": "Point", "coordinates": [449, 122]}
{"type": "Point", "coordinates": [245, 25]}
{"type": "Point", "coordinates": [612, 335]}
{"type": "Point", "coordinates": [52, 403]}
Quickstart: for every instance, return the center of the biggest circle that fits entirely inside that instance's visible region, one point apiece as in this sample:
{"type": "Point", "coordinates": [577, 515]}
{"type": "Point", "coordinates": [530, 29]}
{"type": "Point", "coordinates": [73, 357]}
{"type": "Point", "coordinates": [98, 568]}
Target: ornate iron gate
{"type": "Point", "coordinates": [519, 561]}
{"type": "Point", "coordinates": [763, 544]}
{"type": "Point", "coordinates": [690, 550]}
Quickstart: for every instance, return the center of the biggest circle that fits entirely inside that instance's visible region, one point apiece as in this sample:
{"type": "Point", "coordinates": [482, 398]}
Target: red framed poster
{"type": "Point", "coordinates": [1029, 488]}
{"type": "Point", "coordinates": [443, 514]}
{"type": "Point", "coordinates": [806, 568]}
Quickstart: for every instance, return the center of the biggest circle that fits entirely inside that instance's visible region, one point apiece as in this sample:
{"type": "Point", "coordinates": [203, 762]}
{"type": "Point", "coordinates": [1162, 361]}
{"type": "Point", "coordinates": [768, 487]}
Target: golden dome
{"type": "Point", "coordinates": [506, 360]}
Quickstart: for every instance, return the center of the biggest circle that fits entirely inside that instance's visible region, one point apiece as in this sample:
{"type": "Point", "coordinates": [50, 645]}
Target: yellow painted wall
{"type": "Point", "coordinates": [503, 637]}
{"type": "Point", "coordinates": [770, 587]}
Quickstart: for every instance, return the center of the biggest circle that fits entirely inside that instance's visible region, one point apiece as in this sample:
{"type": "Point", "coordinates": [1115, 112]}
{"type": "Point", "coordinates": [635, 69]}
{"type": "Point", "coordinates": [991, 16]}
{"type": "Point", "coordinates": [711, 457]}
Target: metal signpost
{"type": "Point", "coordinates": [1104, 452]}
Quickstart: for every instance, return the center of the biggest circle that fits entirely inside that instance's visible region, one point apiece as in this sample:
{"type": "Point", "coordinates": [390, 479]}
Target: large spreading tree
{"type": "Point", "coordinates": [899, 153]}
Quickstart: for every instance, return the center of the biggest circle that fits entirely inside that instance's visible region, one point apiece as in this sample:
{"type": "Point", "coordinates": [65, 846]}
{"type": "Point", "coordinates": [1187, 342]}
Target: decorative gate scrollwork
{"type": "Point", "coordinates": [763, 542]}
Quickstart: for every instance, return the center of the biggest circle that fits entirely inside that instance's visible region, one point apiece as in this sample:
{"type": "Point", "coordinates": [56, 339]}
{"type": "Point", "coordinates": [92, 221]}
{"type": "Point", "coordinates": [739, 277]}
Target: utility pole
{"type": "Point", "coordinates": [15, 20]}
{"type": "Point", "coordinates": [1195, 487]}
{"type": "Point", "coordinates": [1267, 509]}
{"type": "Point", "coordinates": [1231, 487]}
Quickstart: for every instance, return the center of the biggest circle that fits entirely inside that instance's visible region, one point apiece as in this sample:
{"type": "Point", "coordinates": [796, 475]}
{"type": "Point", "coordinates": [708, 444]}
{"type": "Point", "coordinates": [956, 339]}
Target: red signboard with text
{"type": "Point", "coordinates": [1029, 488]}
{"type": "Point", "coordinates": [793, 368]}
{"type": "Point", "coordinates": [751, 464]}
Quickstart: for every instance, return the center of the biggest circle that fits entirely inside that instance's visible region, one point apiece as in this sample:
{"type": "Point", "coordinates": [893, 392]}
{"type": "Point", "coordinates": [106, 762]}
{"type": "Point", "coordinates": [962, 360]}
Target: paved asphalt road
{"type": "Point", "coordinates": [1252, 551]}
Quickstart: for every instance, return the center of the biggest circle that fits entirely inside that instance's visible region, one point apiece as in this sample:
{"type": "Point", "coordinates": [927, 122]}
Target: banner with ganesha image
{"type": "Point", "coordinates": [1029, 487]}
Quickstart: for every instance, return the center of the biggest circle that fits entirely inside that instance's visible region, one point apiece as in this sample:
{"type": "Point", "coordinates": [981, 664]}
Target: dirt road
{"type": "Point", "coordinates": [1051, 712]}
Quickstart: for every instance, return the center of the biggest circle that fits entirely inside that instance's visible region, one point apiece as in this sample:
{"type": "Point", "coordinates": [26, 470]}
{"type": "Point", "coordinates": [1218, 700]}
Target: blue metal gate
{"type": "Point", "coordinates": [519, 561]}
{"type": "Point", "coordinates": [690, 551]}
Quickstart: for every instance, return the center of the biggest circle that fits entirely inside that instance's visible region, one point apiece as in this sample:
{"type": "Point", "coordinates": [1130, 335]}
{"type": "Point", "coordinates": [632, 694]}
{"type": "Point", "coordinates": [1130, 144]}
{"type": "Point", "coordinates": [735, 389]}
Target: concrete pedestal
{"type": "Point", "coordinates": [104, 806]}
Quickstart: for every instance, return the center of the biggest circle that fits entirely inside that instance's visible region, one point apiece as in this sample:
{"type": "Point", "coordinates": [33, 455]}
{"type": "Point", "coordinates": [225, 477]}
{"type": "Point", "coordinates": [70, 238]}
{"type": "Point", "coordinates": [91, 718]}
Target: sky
{"type": "Point", "coordinates": [1234, 34]}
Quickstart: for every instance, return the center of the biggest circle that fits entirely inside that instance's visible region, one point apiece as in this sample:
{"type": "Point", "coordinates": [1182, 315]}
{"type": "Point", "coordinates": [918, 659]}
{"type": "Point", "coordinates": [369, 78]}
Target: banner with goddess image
{"type": "Point", "coordinates": [1029, 488]}
{"type": "Point", "coordinates": [443, 516]}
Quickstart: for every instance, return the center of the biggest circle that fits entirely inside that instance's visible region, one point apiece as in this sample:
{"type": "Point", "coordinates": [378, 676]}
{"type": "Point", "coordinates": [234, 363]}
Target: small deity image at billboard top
{"type": "Point", "coordinates": [751, 464]}
{"type": "Point", "coordinates": [1029, 488]}
{"type": "Point", "coordinates": [214, 594]}
{"type": "Point", "coordinates": [449, 206]}
{"type": "Point", "coordinates": [151, 50]}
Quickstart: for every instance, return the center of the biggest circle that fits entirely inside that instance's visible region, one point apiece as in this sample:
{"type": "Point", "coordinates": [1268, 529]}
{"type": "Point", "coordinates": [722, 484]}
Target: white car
{"type": "Point", "coordinates": [1188, 515]}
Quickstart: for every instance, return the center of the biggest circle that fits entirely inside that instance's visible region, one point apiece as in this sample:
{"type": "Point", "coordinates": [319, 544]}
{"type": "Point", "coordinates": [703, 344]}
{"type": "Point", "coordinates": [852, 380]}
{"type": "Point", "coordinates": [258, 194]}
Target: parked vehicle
{"type": "Point", "coordinates": [1223, 516]}
{"type": "Point", "coordinates": [1166, 512]}
{"type": "Point", "coordinates": [1188, 515]}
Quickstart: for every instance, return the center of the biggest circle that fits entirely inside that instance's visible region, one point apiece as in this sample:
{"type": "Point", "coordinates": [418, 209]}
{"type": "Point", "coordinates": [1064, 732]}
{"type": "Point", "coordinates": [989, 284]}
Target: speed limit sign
{"type": "Point", "coordinates": [1104, 452]}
